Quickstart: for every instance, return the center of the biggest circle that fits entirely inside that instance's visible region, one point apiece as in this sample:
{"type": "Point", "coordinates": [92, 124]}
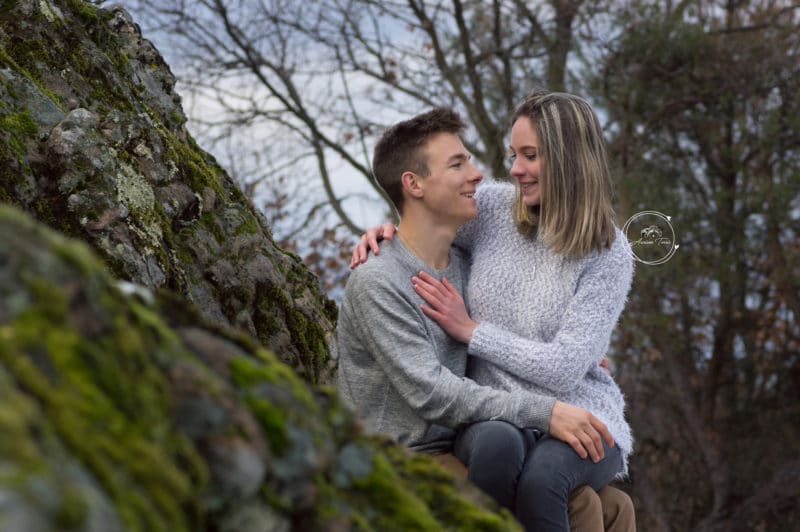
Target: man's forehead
{"type": "Point", "coordinates": [445, 146]}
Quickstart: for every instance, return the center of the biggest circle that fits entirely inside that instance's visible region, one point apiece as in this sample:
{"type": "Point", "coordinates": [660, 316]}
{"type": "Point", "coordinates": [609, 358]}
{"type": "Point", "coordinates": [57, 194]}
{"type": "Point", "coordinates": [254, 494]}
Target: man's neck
{"type": "Point", "coordinates": [427, 240]}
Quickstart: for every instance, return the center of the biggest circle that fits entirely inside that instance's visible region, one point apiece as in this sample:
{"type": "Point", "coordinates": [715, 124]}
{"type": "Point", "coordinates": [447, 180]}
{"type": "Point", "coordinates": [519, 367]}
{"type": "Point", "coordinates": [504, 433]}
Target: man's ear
{"type": "Point", "coordinates": [412, 184]}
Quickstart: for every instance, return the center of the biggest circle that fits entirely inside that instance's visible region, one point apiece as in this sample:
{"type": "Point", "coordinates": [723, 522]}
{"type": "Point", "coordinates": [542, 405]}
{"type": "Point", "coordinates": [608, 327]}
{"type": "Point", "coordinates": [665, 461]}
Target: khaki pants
{"type": "Point", "coordinates": [609, 510]}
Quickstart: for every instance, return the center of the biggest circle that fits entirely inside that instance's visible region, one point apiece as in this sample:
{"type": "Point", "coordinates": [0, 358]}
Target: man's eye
{"type": "Point", "coordinates": [455, 165]}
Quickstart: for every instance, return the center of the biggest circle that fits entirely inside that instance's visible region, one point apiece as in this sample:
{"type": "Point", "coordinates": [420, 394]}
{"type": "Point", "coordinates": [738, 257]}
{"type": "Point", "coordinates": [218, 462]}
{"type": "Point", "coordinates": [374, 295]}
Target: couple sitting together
{"type": "Point", "coordinates": [511, 377]}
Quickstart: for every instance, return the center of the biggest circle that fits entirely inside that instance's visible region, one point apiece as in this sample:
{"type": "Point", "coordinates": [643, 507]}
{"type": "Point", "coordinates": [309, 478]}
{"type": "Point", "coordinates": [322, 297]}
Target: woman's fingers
{"type": "Point", "coordinates": [374, 234]}
{"type": "Point", "coordinates": [427, 293]}
{"type": "Point", "coordinates": [602, 430]}
{"type": "Point", "coordinates": [593, 446]}
{"type": "Point", "coordinates": [450, 288]}
{"type": "Point", "coordinates": [580, 429]}
{"type": "Point", "coordinates": [385, 231]}
{"type": "Point", "coordinates": [432, 283]}
{"type": "Point", "coordinates": [388, 230]}
{"type": "Point", "coordinates": [577, 446]}
{"type": "Point", "coordinates": [438, 317]}
{"type": "Point", "coordinates": [369, 242]}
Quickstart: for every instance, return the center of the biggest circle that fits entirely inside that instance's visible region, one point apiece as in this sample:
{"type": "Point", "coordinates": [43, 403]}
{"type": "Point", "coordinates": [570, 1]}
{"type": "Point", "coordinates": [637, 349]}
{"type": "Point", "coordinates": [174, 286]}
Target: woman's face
{"type": "Point", "coordinates": [526, 165]}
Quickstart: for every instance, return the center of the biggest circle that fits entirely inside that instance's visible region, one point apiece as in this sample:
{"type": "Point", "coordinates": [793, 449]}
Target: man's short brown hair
{"type": "Point", "coordinates": [402, 149]}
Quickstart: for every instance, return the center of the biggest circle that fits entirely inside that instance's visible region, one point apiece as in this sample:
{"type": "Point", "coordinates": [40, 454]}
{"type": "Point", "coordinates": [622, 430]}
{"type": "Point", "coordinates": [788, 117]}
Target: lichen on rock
{"type": "Point", "coordinates": [95, 145]}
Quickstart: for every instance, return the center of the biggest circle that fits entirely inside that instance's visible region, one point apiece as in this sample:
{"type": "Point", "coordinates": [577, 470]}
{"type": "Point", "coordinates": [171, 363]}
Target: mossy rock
{"type": "Point", "coordinates": [94, 144]}
{"type": "Point", "coordinates": [122, 409]}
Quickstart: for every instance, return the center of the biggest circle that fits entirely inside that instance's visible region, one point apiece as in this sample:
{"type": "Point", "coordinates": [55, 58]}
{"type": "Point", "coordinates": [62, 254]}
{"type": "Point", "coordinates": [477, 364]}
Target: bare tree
{"type": "Point", "coordinates": [329, 75]}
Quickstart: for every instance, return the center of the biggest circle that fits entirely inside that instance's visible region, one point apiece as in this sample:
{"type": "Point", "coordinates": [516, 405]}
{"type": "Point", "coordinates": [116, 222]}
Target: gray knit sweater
{"type": "Point", "coordinates": [402, 372]}
{"type": "Point", "coordinates": [545, 320]}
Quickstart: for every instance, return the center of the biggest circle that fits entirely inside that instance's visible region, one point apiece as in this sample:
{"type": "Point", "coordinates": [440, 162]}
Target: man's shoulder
{"type": "Point", "coordinates": [381, 272]}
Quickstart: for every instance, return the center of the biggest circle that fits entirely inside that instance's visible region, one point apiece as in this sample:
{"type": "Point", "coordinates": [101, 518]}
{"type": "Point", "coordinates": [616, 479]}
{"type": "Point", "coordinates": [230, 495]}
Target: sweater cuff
{"type": "Point", "coordinates": [535, 411]}
{"type": "Point", "coordinates": [481, 342]}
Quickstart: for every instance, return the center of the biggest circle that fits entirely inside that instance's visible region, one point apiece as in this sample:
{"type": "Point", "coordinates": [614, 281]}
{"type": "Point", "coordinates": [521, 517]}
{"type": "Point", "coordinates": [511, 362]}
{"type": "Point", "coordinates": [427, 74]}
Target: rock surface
{"type": "Point", "coordinates": [93, 143]}
{"type": "Point", "coordinates": [122, 410]}
{"type": "Point", "coordinates": [145, 334]}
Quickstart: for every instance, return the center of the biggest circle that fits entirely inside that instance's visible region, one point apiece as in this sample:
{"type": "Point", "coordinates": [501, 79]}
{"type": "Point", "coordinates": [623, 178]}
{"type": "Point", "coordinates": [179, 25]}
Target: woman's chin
{"type": "Point", "coordinates": [531, 201]}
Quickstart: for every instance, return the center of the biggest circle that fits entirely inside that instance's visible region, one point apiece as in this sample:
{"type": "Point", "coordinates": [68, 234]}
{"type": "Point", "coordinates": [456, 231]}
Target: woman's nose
{"type": "Point", "coordinates": [516, 168]}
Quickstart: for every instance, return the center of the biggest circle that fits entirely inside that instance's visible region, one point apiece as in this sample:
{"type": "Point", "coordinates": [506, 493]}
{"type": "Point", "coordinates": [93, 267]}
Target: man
{"type": "Point", "coordinates": [397, 368]}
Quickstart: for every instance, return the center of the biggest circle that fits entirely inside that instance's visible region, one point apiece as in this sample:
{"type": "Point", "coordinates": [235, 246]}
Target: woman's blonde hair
{"type": "Point", "coordinates": [575, 214]}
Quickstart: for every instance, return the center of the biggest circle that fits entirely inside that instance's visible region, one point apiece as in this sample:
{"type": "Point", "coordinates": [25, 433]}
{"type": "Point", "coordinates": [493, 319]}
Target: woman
{"type": "Point", "coordinates": [549, 277]}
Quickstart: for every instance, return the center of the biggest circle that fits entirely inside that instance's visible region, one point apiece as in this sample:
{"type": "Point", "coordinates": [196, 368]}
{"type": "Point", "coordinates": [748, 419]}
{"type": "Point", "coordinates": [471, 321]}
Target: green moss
{"type": "Point", "coordinates": [394, 507]}
{"type": "Point", "coordinates": [7, 5]}
{"type": "Point", "coordinates": [168, 243]}
{"type": "Point", "coordinates": [331, 310]}
{"type": "Point", "coordinates": [19, 127]}
{"type": "Point", "coordinates": [407, 491]}
{"type": "Point", "coordinates": [57, 46]}
{"type": "Point", "coordinates": [248, 226]}
{"type": "Point", "coordinates": [436, 488]}
{"type": "Point", "coordinates": [247, 373]}
{"type": "Point", "coordinates": [211, 222]}
{"type": "Point", "coordinates": [272, 421]}
{"type": "Point", "coordinates": [192, 168]}
{"type": "Point", "coordinates": [307, 336]}
{"type": "Point", "coordinates": [107, 401]}
{"type": "Point", "coordinates": [83, 9]}
{"type": "Point", "coordinates": [19, 420]}
{"type": "Point", "coordinates": [5, 197]}
{"type": "Point", "coordinates": [260, 385]}
{"type": "Point", "coordinates": [7, 60]}
{"type": "Point", "coordinates": [53, 213]}
{"type": "Point", "coordinates": [110, 94]}
{"type": "Point", "coordinates": [73, 509]}
{"type": "Point", "coordinates": [80, 62]}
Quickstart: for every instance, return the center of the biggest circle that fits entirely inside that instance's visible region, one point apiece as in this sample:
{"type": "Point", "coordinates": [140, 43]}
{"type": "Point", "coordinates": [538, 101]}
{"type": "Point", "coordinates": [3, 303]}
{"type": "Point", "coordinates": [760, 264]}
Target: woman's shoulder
{"type": "Point", "coordinates": [617, 256]}
{"type": "Point", "coordinates": [495, 189]}
{"type": "Point", "coordinates": [493, 195]}
{"type": "Point", "coordinates": [621, 248]}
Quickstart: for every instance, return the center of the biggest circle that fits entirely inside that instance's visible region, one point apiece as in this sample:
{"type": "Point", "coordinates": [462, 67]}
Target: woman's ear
{"type": "Point", "coordinates": [412, 184]}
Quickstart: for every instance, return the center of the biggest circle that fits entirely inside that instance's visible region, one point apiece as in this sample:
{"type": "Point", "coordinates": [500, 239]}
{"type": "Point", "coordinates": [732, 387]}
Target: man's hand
{"type": "Point", "coordinates": [578, 428]}
{"type": "Point", "coordinates": [369, 242]}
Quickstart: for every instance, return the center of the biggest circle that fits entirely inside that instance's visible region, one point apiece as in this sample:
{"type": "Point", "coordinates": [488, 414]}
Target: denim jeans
{"type": "Point", "coordinates": [529, 473]}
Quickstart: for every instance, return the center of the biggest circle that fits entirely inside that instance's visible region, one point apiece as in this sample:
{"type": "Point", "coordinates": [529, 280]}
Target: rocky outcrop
{"type": "Point", "coordinates": [145, 334]}
{"type": "Point", "coordinates": [93, 143]}
{"type": "Point", "coordinates": [122, 410]}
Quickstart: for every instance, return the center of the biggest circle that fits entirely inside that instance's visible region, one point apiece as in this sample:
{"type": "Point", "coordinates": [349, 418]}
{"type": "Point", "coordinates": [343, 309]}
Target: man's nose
{"type": "Point", "coordinates": [477, 175]}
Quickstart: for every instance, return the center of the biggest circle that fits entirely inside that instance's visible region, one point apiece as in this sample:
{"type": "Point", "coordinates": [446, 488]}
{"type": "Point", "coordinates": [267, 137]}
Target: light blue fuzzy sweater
{"type": "Point", "coordinates": [545, 320]}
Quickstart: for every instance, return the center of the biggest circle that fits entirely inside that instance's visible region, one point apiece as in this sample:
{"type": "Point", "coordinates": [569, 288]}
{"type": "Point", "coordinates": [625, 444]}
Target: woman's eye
{"type": "Point", "coordinates": [512, 157]}
{"type": "Point", "coordinates": [531, 156]}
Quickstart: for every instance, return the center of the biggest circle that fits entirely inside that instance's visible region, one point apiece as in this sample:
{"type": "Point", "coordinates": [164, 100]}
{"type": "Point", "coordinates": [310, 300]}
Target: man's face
{"type": "Point", "coordinates": [450, 187]}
